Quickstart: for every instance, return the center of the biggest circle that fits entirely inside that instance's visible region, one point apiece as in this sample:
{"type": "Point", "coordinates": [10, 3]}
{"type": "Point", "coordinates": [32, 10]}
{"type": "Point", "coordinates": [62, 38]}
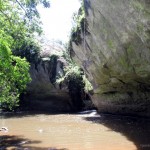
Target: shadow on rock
{"type": "Point", "coordinates": [135, 129]}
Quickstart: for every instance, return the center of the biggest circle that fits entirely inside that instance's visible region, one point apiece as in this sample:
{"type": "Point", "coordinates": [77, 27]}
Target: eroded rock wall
{"type": "Point", "coordinates": [115, 55]}
{"type": "Point", "coordinates": [43, 93]}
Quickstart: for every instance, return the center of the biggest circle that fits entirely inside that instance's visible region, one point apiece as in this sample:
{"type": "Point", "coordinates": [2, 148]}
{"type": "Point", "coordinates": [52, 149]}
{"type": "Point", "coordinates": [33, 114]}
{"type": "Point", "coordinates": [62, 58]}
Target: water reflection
{"type": "Point", "coordinates": [135, 129]}
{"type": "Point", "coordinates": [19, 143]}
{"type": "Point", "coordinates": [84, 131]}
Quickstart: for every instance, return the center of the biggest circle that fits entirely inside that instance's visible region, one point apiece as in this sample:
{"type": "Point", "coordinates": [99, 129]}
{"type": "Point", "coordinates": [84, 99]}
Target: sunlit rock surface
{"type": "Point", "coordinates": [115, 54]}
{"type": "Point", "coordinates": [43, 93]}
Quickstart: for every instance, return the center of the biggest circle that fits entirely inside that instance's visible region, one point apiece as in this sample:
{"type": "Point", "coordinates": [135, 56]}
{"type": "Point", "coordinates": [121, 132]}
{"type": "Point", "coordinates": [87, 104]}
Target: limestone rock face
{"type": "Point", "coordinates": [43, 93]}
{"type": "Point", "coordinates": [115, 55]}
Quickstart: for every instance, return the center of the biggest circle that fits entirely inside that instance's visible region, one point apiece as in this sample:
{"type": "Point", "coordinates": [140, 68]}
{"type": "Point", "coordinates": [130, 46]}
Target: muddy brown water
{"type": "Point", "coordinates": [39, 131]}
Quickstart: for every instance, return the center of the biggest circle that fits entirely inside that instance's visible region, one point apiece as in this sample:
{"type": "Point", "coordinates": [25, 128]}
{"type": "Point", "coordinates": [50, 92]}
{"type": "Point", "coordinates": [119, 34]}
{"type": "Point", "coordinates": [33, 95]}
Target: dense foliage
{"type": "Point", "coordinates": [19, 24]}
{"type": "Point", "coordinates": [75, 79]}
{"type": "Point", "coordinates": [20, 20]}
{"type": "Point", "coordinates": [80, 25]}
{"type": "Point", "coordinates": [13, 75]}
{"type": "Point", "coordinates": [74, 74]}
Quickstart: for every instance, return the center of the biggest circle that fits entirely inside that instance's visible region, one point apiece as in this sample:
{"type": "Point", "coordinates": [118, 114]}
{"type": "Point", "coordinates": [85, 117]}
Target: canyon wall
{"type": "Point", "coordinates": [43, 93]}
{"type": "Point", "coordinates": [114, 51]}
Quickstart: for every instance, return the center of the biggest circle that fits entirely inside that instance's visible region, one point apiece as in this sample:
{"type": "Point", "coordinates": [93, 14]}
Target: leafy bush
{"type": "Point", "coordinates": [80, 26]}
{"type": "Point", "coordinates": [77, 82]}
{"type": "Point", "coordinates": [13, 75]}
{"type": "Point", "coordinates": [73, 73]}
{"type": "Point", "coordinates": [20, 20]}
{"type": "Point", "coordinates": [28, 48]}
{"type": "Point", "coordinates": [19, 23]}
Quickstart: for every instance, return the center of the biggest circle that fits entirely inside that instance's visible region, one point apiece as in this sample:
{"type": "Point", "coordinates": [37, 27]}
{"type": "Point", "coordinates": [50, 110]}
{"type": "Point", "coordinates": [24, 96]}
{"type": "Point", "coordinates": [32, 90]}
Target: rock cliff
{"type": "Point", "coordinates": [43, 93]}
{"type": "Point", "coordinates": [47, 93]}
{"type": "Point", "coordinates": [114, 52]}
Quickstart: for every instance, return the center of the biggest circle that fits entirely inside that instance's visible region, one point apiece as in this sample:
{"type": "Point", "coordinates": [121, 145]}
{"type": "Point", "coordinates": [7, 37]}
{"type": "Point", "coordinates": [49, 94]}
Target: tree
{"type": "Point", "coordinates": [19, 23]}
{"type": "Point", "coordinates": [13, 74]}
{"type": "Point", "coordinates": [20, 19]}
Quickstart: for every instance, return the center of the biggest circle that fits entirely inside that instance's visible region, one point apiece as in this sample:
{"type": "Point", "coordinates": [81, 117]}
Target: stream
{"type": "Point", "coordinates": [82, 131]}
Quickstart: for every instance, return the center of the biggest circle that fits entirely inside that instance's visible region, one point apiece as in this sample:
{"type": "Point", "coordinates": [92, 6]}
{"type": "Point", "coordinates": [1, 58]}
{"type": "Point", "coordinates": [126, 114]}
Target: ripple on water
{"type": "Point", "coordinates": [76, 132]}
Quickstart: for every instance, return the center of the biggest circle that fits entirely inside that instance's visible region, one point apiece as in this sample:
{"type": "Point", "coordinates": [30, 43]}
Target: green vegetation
{"type": "Point", "coordinates": [74, 76]}
{"type": "Point", "coordinates": [20, 20]}
{"type": "Point", "coordinates": [137, 5]}
{"type": "Point", "coordinates": [13, 74]}
{"type": "Point", "coordinates": [73, 73]}
{"type": "Point", "coordinates": [80, 25]}
{"type": "Point", "coordinates": [19, 23]}
{"type": "Point", "coordinates": [77, 83]}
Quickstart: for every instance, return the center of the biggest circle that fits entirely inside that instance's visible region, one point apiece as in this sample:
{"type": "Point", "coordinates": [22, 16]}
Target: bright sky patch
{"type": "Point", "coordinates": [57, 20]}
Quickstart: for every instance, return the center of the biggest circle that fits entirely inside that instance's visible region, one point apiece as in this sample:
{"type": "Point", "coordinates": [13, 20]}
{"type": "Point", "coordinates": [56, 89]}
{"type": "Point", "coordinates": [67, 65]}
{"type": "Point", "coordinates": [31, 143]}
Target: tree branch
{"type": "Point", "coordinates": [6, 17]}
